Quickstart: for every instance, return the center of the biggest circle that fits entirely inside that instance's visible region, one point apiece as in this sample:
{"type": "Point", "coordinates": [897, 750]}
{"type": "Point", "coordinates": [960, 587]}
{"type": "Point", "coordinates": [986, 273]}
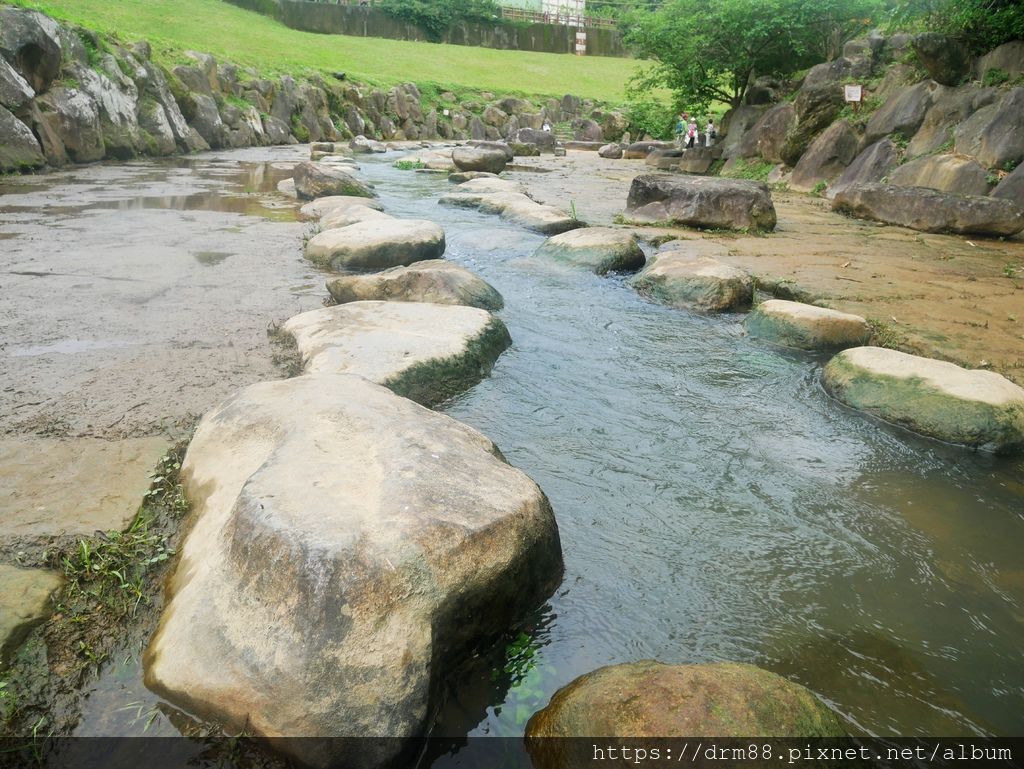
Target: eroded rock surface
{"type": "Point", "coordinates": [376, 244]}
{"type": "Point", "coordinates": [434, 280]}
{"type": "Point", "coordinates": [806, 326]}
{"type": "Point", "coordinates": [687, 275]}
{"type": "Point", "coordinates": [598, 249]}
{"type": "Point", "coordinates": [701, 201]}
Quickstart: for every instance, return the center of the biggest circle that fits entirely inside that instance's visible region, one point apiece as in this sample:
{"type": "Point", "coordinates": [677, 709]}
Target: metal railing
{"type": "Point", "coordinates": [572, 20]}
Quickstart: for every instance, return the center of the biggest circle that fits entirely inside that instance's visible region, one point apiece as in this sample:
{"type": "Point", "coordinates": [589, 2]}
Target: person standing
{"type": "Point", "coordinates": [680, 130]}
{"type": "Point", "coordinates": [709, 133]}
{"type": "Point", "coordinates": [691, 134]}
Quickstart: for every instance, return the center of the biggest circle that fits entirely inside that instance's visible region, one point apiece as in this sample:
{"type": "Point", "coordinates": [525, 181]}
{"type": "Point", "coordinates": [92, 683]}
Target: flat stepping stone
{"type": "Point", "coordinates": [319, 207]}
{"type": "Point", "coordinates": [24, 603]}
{"type": "Point", "coordinates": [426, 352]}
{"type": "Point", "coordinates": [651, 699]}
{"type": "Point", "coordinates": [464, 176]}
{"type": "Point", "coordinates": [350, 549]}
{"type": "Point", "coordinates": [343, 216]}
{"type": "Point", "coordinates": [598, 249]}
{"type": "Point", "coordinates": [795, 324]}
{"type": "Point", "coordinates": [506, 199]}
{"type": "Point", "coordinates": [316, 180]}
{"type": "Point", "coordinates": [688, 279]}
{"type": "Point", "coordinates": [376, 245]}
{"type": "Point", "coordinates": [975, 408]}
{"type": "Point", "coordinates": [73, 487]}
{"type": "Point", "coordinates": [434, 280]}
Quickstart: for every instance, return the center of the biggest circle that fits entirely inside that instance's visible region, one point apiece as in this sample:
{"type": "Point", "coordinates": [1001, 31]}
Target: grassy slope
{"type": "Point", "coordinates": [244, 37]}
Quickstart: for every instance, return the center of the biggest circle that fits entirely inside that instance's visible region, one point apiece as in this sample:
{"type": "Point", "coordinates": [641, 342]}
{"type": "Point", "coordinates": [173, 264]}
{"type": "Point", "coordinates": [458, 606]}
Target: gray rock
{"type": "Point", "coordinates": [588, 131]}
{"type": "Point", "coordinates": [14, 89]}
{"type": "Point", "coordinates": [1012, 187]}
{"type": "Point", "coordinates": [491, 160]}
{"type": "Point", "coordinates": [689, 276]}
{"type": "Point", "coordinates": [975, 408]}
{"type": "Point", "coordinates": [944, 57]}
{"type": "Point", "coordinates": [74, 116]}
{"type": "Point", "coordinates": [735, 125]}
{"type": "Point", "coordinates": [928, 210]}
{"type": "Point", "coordinates": [433, 280]}
{"type": "Point", "coordinates": [698, 160]}
{"type": "Point", "coordinates": [24, 603]}
{"type": "Point", "coordinates": [871, 165]}
{"type": "Point", "coordinates": [360, 145]}
{"type": "Point", "coordinates": [946, 173]}
{"type": "Point", "coordinates": [544, 140]}
{"type": "Point", "coordinates": [376, 244]}
{"type": "Point", "coordinates": [598, 249]}
{"type": "Point", "coordinates": [949, 107]}
{"type": "Point", "coordinates": [613, 126]}
{"type": "Point", "coordinates": [993, 134]}
{"type": "Point", "coordinates": [827, 158]}
{"type": "Point", "coordinates": [46, 134]}
{"type": "Point", "coordinates": [157, 89]}
{"type": "Point", "coordinates": [1009, 57]}
{"type": "Point", "coordinates": [902, 113]}
{"type": "Point", "coordinates": [505, 198]}
{"type": "Point", "coordinates": [30, 42]}
{"type": "Point", "coordinates": [838, 70]}
{"type": "Point", "coordinates": [701, 201]}
{"type": "Point", "coordinates": [415, 545]}
{"type": "Point", "coordinates": [640, 150]}
{"type": "Point", "coordinates": [117, 99]}
{"type": "Point", "coordinates": [768, 136]}
{"type": "Point", "coordinates": [610, 151]}
{"type": "Point", "coordinates": [315, 180]}
{"type": "Point", "coordinates": [276, 131]}
{"type": "Point", "coordinates": [19, 150]}
{"type": "Point", "coordinates": [816, 108]}
{"type": "Point", "coordinates": [207, 122]}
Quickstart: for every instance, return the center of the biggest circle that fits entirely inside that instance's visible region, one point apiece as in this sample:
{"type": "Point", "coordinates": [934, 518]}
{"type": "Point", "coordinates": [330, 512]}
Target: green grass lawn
{"type": "Point", "coordinates": [248, 38]}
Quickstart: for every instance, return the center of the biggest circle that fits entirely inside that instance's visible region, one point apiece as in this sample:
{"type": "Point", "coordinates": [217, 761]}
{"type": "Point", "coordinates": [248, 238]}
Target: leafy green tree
{"type": "Point", "coordinates": [981, 24]}
{"type": "Point", "coordinates": [435, 16]}
{"type": "Point", "coordinates": [711, 50]}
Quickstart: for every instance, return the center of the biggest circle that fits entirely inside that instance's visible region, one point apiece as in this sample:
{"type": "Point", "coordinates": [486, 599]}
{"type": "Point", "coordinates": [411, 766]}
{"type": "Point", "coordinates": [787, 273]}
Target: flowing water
{"type": "Point", "coordinates": [714, 504]}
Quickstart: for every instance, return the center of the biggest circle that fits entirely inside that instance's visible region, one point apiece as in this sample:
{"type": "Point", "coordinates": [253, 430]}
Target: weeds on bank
{"type": "Point", "coordinates": [285, 353]}
{"type": "Point", "coordinates": [884, 334]}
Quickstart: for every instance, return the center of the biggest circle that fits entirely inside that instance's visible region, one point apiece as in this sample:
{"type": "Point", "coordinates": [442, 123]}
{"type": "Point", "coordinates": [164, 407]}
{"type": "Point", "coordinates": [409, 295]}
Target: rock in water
{"type": "Point", "coordinates": [349, 549]}
{"type": "Point", "coordinates": [687, 277]}
{"type": "Point", "coordinates": [920, 208]}
{"type": "Point", "coordinates": [701, 201]}
{"type": "Point", "coordinates": [434, 280]}
{"type": "Point", "coordinates": [795, 324]}
{"type": "Point", "coordinates": [314, 180]}
{"type": "Point", "coordinates": [321, 206]}
{"type": "Point", "coordinates": [376, 245]}
{"type": "Point", "coordinates": [427, 352]}
{"type": "Point", "coordinates": [492, 160]}
{"type": "Point", "coordinates": [942, 400]}
{"type": "Point", "coordinates": [505, 198]}
{"type": "Point", "coordinates": [24, 603]}
{"type": "Point", "coordinates": [652, 699]}
{"type": "Point", "coordinates": [599, 249]}
{"type": "Point", "coordinates": [343, 216]}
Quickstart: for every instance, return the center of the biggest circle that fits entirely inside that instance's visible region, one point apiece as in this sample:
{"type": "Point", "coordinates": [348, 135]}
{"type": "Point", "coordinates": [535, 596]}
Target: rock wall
{"type": "Point", "coordinates": [68, 95]}
{"type": "Point", "coordinates": [931, 117]}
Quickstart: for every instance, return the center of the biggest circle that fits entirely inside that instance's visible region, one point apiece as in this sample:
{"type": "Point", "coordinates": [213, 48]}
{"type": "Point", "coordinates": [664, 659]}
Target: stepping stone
{"type": "Point", "coordinates": [795, 324]}
{"type": "Point", "coordinates": [975, 408]}
{"type": "Point", "coordinates": [343, 216]}
{"type": "Point", "coordinates": [433, 280]}
{"type": "Point", "coordinates": [426, 352]}
{"type": "Point", "coordinates": [376, 245]}
{"type": "Point", "coordinates": [687, 277]}
{"type": "Point", "coordinates": [598, 249]}
{"type": "Point", "coordinates": [316, 180]}
{"type": "Point", "coordinates": [319, 207]}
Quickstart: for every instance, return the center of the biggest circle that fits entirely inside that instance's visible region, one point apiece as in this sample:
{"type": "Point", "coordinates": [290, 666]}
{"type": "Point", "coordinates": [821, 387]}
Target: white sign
{"type": "Point", "coordinates": [447, 112]}
{"type": "Point", "coordinates": [853, 92]}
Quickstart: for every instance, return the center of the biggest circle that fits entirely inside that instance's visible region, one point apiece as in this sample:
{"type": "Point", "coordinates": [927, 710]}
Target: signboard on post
{"type": "Point", "coordinates": [581, 43]}
{"type": "Point", "coordinates": [854, 94]}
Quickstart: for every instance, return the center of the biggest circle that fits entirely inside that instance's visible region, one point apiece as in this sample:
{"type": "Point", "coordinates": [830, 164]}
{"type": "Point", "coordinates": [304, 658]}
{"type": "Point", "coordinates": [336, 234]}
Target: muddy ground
{"type": "Point", "coordinates": [941, 296]}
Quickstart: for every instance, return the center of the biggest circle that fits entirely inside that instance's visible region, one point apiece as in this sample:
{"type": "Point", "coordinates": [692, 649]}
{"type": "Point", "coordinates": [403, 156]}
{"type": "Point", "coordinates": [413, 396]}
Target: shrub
{"type": "Point", "coordinates": [648, 116]}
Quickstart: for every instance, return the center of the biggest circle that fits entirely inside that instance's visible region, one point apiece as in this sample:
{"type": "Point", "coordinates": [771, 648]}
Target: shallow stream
{"type": "Point", "coordinates": [714, 504]}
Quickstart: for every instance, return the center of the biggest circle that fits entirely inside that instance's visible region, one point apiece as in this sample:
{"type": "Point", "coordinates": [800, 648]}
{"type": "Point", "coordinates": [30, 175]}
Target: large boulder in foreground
{"type": "Point", "coordinates": [652, 699]}
{"type": "Point", "coordinates": [689, 276]}
{"type": "Point", "coordinates": [348, 550]}
{"type": "Point", "coordinates": [315, 180]}
{"type": "Point", "coordinates": [489, 159]}
{"type": "Point", "coordinates": [434, 280]}
{"type": "Point", "coordinates": [981, 409]}
{"type": "Point", "coordinates": [376, 244]}
{"type": "Point", "coordinates": [598, 249]}
{"type": "Point", "coordinates": [427, 352]}
{"type": "Point", "coordinates": [927, 210]}
{"type": "Point", "coordinates": [795, 324]}
{"type": "Point", "coordinates": [701, 201]}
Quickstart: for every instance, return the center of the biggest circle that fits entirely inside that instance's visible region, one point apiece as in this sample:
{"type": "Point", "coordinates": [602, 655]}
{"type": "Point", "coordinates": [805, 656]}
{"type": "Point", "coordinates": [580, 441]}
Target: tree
{"type": "Point", "coordinates": [711, 50]}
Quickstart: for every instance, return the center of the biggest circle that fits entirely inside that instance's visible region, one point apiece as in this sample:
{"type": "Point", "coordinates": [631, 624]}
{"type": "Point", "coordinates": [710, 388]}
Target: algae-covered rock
{"type": "Point", "coordinates": [690, 277]}
{"type": "Point", "coordinates": [652, 699]}
{"type": "Point", "coordinates": [795, 324]}
{"type": "Point", "coordinates": [981, 409]}
{"type": "Point", "coordinates": [376, 244]}
{"type": "Point", "coordinates": [598, 249]}
{"type": "Point", "coordinates": [433, 280]}
{"type": "Point", "coordinates": [426, 352]}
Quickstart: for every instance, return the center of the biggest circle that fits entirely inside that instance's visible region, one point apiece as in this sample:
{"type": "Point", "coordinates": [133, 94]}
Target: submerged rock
{"type": "Point", "coordinates": [981, 409]}
{"type": "Point", "coordinates": [423, 351]}
{"type": "Point", "coordinates": [433, 280]}
{"type": "Point", "coordinates": [376, 245]}
{"type": "Point", "coordinates": [652, 699]}
{"type": "Point", "coordinates": [599, 249]}
{"type": "Point", "coordinates": [349, 550]}
{"type": "Point", "coordinates": [928, 210]}
{"type": "Point", "coordinates": [505, 198]}
{"type": "Point", "coordinates": [315, 180]}
{"type": "Point", "coordinates": [689, 277]}
{"type": "Point", "coordinates": [701, 201]}
{"type": "Point", "coordinates": [795, 324]}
